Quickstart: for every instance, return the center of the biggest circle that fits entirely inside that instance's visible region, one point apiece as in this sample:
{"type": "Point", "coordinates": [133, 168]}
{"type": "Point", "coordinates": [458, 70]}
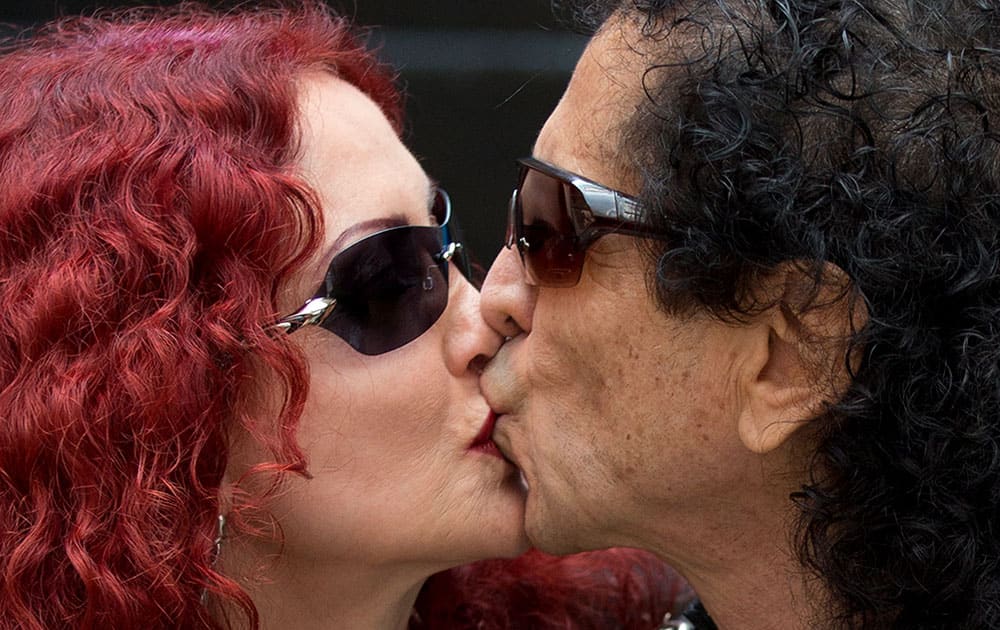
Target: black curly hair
{"type": "Point", "coordinates": [862, 133]}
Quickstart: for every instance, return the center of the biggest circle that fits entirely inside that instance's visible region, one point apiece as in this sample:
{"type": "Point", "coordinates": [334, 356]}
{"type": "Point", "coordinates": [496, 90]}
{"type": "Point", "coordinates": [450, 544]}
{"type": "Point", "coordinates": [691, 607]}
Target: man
{"type": "Point", "coordinates": [752, 291]}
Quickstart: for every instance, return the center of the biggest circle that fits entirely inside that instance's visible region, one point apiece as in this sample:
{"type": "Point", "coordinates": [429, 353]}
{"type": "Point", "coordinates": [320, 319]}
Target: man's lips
{"type": "Point", "coordinates": [483, 441]}
{"type": "Point", "coordinates": [500, 388]}
{"type": "Point", "coordinates": [502, 444]}
{"type": "Point", "coordinates": [498, 381]}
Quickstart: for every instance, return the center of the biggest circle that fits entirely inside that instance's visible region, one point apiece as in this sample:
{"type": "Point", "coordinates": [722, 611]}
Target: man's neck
{"type": "Point", "coordinates": [739, 559]}
{"type": "Point", "coordinates": [756, 596]}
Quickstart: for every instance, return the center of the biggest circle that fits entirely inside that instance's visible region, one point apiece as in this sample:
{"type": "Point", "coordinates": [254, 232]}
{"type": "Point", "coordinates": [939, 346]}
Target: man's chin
{"type": "Point", "coordinates": [551, 535]}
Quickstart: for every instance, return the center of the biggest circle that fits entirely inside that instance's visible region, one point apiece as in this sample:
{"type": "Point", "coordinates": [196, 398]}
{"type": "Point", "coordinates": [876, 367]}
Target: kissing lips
{"type": "Point", "coordinates": [501, 442]}
{"type": "Point", "coordinates": [483, 441]}
{"type": "Point", "coordinates": [503, 447]}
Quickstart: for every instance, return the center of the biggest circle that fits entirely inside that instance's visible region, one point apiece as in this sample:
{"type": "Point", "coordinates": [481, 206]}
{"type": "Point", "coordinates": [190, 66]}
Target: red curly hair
{"type": "Point", "coordinates": [149, 214]}
{"type": "Point", "coordinates": [611, 589]}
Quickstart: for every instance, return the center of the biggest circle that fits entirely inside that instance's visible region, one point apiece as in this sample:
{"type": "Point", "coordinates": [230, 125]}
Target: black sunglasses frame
{"type": "Point", "coordinates": [318, 309]}
{"type": "Point", "coordinates": [603, 211]}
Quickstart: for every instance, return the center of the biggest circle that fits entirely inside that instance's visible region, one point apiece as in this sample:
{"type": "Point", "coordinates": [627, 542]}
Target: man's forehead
{"type": "Point", "coordinates": [603, 94]}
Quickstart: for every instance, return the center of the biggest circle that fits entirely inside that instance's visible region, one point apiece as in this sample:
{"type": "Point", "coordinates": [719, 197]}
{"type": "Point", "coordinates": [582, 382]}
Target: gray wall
{"type": "Point", "coordinates": [480, 78]}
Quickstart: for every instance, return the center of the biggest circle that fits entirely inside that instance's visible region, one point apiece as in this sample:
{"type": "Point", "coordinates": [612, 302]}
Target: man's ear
{"type": "Point", "coordinates": [798, 358]}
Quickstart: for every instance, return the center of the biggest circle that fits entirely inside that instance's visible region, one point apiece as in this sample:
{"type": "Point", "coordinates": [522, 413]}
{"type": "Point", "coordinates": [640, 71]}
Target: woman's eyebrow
{"type": "Point", "coordinates": [363, 228]}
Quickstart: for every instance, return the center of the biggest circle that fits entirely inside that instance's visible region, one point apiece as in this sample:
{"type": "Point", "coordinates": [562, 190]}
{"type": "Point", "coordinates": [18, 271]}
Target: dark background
{"type": "Point", "coordinates": [480, 77]}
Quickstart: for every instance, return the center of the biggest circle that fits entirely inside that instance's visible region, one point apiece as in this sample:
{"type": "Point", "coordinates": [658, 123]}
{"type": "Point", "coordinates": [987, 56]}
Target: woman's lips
{"type": "Point", "coordinates": [483, 441]}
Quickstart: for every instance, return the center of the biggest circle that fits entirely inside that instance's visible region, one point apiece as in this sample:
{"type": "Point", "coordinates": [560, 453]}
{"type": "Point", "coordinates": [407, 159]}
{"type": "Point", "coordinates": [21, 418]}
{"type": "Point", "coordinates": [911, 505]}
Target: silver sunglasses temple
{"type": "Point", "coordinates": [314, 312]}
{"type": "Point", "coordinates": [449, 252]}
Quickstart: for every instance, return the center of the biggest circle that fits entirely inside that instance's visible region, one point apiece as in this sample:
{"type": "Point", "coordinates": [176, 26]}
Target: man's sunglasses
{"type": "Point", "coordinates": [388, 288]}
{"type": "Point", "coordinates": [556, 215]}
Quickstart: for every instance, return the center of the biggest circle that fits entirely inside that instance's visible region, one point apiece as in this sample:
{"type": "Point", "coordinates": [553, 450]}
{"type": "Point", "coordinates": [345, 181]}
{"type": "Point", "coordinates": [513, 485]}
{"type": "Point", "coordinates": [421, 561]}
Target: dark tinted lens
{"type": "Point", "coordinates": [390, 288]}
{"type": "Point", "coordinates": [549, 248]}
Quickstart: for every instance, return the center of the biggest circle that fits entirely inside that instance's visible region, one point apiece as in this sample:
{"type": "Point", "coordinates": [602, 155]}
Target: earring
{"type": "Point", "coordinates": [216, 550]}
{"type": "Point", "coordinates": [219, 536]}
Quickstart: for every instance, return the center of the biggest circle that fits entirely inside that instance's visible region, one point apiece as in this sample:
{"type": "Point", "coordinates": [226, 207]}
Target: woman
{"type": "Point", "coordinates": [238, 362]}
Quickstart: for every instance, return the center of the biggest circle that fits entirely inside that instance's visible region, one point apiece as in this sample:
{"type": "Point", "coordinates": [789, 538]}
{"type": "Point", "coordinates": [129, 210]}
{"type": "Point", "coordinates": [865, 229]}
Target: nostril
{"type": "Point", "coordinates": [478, 363]}
{"type": "Point", "coordinates": [511, 328]}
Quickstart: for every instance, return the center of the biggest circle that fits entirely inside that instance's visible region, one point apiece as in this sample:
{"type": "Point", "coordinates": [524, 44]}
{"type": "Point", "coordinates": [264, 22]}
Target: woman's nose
{"type": "Point", "coordinates": [508, 302]}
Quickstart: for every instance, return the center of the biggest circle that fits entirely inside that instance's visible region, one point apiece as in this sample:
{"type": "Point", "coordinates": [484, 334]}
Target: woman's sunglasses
{"type": "Point", "coordinates": [388, 288]}
{"type": "Point", "coordinates": [556, 215]}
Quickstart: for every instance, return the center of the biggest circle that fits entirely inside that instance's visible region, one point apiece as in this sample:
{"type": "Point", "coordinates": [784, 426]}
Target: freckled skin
{"type": "Point", "coordinates": [600, 410]}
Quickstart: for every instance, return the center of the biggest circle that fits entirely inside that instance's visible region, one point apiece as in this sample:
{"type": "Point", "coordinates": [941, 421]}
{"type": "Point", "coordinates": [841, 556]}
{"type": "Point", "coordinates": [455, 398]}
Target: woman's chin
{"type": "Point", "coordinates": [496, 528]}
